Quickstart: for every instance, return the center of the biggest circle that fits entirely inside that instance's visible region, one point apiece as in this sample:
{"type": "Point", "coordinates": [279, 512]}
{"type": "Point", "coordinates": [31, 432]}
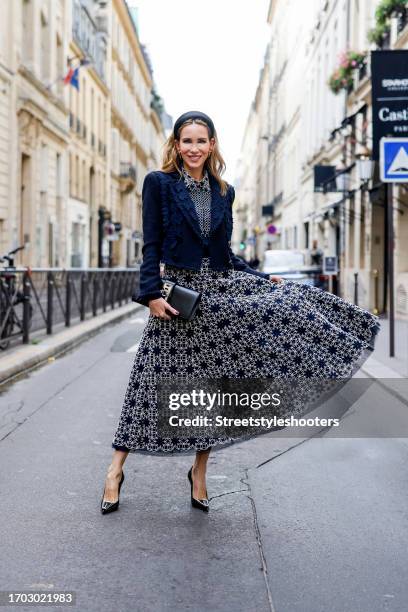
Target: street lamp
{"type": "Point", "coordinates": [365, 167]}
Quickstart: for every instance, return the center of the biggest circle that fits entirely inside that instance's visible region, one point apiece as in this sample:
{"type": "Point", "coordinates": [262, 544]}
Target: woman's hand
{"type": "Point", "coordinates": [159, 308]}
{"type": "Point", "coordinates": [275, 279]}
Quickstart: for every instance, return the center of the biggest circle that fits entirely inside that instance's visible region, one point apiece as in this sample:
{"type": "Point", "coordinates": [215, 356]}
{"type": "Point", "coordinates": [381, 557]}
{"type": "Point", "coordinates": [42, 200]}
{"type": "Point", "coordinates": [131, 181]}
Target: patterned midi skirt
{"type": "Point", "coordinates": [245, 327]}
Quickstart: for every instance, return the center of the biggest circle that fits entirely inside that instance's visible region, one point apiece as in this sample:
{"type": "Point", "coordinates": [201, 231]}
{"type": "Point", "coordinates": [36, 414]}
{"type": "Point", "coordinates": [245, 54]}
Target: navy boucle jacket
{"type": "Point", "coordinates": [172, 235]}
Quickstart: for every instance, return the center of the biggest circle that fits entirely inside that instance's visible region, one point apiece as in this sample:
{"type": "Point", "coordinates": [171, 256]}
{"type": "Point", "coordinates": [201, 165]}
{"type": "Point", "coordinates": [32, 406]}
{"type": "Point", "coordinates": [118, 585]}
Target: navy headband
{"type": "Point", "coordinates": [193, 115]}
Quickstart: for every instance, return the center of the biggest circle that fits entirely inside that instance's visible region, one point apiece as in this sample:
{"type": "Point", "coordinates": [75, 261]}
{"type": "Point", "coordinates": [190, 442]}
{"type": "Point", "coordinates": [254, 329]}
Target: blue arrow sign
{"type": "Point", "coordinates": [394, 160]}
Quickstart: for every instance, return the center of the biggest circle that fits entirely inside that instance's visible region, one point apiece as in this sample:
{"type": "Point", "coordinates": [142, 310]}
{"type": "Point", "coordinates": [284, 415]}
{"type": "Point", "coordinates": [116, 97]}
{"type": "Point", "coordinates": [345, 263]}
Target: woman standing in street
{"type": "Point", "coordinates": [248, 324]}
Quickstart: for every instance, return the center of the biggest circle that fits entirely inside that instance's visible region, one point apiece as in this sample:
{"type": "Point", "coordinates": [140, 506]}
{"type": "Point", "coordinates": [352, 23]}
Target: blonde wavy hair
{"type": "Point", "coordinates": [214, 164]}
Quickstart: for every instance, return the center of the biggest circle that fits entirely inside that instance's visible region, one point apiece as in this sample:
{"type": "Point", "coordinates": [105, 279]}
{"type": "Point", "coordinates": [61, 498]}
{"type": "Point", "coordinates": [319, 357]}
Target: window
{"type": "Point", "coordinates": [50, 244]}
{"type": "Point", "coordinates": [44, 169]}
{"type": "Point", "coordinates": [44, 49]}
{"type": "Point", "coordinates": [71, 172]}
{"type": "Point", "coordinates": [83, 94]}
{"type": "Point", "coordinates": [27, 32]}
{"type": "Point", "coordinates": [77, 176]}
{"type": "Point", "coordinates": [84, 177]}
{"type": "Point", "coordinates": [59, 65]}
{"type": "Point", "coordinates": [77, 244]}
{"type": "Point", "coordinates": [58, 171]}
{"type": "Point", "coordinates": [306, 234]}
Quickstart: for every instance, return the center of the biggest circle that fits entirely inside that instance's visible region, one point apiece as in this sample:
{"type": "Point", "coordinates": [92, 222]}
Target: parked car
{"type": "Point", "coordinates": [290, 264]}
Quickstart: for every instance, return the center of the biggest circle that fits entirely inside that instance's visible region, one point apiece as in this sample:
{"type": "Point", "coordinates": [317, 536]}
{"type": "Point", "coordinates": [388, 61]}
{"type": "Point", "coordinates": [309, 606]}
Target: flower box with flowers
{"type": "Point", "coordinates": [342, 77]}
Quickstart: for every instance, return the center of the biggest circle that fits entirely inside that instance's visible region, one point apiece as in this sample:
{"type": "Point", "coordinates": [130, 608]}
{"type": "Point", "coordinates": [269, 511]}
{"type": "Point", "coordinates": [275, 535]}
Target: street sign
{"type": "Point", "coordinates": [330, 266]}
{"type": "Point", "coordinates": [389, 95]}
{"type": "Point", "coordinates": [394, 160]}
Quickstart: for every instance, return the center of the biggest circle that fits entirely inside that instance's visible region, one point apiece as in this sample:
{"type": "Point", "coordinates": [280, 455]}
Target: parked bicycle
{"type": "Point", "coordinates": [10, 300]}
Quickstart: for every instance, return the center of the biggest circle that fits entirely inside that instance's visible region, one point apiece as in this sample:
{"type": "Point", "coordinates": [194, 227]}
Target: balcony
{"type": "Point", "coordinates": [89, 32]}
{"type": "Point", "coordinates": [127, 177]}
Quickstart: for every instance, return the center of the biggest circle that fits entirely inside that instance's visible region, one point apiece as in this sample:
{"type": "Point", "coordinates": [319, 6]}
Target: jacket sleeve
{"type": "Point", "coordinates": [237, 263]}
{"type": "Point", "coordinates": [150, 281]}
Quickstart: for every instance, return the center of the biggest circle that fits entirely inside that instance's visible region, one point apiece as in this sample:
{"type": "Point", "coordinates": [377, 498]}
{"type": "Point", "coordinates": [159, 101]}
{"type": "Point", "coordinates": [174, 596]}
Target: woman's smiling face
{"type": "Point", "coordinates": [194, 146]}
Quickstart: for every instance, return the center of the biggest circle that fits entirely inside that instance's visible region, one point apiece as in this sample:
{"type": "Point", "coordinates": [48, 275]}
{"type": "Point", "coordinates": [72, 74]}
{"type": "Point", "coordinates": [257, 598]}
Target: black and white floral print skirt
{"type": "Point", "coordinates": [246, 326]}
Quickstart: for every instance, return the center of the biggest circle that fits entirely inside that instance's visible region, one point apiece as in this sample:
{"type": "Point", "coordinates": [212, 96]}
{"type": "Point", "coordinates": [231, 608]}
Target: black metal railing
{"type": "Point", "coordinates": [42, 298]}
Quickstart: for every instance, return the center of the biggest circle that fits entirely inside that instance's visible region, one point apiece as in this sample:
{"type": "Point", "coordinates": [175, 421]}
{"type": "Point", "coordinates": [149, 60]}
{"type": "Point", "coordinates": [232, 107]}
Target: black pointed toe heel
{"type": "Point", "coordinates": [107, 506]}
{"type": "Point", "coordinates": [202, 504]}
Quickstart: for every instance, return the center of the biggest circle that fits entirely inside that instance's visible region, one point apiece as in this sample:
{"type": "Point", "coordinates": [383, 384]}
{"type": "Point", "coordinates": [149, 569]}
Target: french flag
{"type": "Point", "coordinates": [72, 77]}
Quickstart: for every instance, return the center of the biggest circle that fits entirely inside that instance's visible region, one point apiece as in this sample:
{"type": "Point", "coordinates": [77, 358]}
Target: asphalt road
{"type": "Point", "coordinates": [294, 525]}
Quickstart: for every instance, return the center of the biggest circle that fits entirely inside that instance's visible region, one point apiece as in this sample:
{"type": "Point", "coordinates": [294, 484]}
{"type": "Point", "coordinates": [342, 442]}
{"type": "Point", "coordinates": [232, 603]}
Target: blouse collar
{"type": "Point", "coordinates": [192, 182]}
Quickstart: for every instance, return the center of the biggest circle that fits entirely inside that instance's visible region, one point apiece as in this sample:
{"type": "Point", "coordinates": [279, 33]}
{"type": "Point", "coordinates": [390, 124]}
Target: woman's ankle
{"type": "Point", "coordinates": [114, 471]}
{"type": "Point", "coordinates": [199, 470]}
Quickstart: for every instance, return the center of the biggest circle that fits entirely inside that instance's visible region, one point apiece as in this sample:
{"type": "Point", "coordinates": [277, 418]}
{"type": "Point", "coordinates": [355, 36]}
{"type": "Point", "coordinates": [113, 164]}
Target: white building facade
{"type": "Point", "coordinates": [310, 127]}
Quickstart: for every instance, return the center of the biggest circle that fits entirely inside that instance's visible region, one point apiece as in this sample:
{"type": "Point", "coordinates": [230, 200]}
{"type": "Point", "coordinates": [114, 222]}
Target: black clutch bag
{"type": "Point", "coordinates": [183, 299]}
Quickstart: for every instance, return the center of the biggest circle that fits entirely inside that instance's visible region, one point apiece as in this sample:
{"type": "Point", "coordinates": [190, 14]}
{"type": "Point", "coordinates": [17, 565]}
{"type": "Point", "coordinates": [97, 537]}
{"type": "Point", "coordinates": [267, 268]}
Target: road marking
{"type": "Point", "coordinates": [137, 320]}
{"type": "Point", "coordinates": [133, 348]}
